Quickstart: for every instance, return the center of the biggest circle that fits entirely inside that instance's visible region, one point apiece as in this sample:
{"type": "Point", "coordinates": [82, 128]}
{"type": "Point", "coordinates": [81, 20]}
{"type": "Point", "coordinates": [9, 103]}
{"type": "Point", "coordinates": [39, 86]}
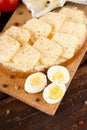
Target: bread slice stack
{"type": "Point", "coordinates": [52, 39]}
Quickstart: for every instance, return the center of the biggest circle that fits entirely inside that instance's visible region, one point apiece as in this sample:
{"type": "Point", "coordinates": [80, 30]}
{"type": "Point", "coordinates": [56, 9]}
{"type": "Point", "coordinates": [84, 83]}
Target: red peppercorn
{"type": "Point", "coordinates": [81, 123]}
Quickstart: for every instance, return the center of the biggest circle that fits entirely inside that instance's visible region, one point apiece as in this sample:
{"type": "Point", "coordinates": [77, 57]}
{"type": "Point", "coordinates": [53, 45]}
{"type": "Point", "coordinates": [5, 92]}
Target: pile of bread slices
{"type": "Point", "coordinates": [40, 43]}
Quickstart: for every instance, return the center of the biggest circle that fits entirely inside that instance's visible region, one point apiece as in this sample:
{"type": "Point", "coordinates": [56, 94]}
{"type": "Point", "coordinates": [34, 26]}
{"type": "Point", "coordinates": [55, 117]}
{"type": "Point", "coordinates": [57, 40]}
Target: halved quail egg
{"type": "Point", "coordinates": [54, 92]}
{"type": "Point", "coordinates": [35, 83]}
{"type": "Point", "coordinates": [58, 74]}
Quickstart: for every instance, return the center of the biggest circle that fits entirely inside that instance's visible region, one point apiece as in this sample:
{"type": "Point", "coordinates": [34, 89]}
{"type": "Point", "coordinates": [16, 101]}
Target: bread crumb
{"type": "Point", "coordinates": [85, 102]}
{"type": "Point", "coordinates": [8, 112]}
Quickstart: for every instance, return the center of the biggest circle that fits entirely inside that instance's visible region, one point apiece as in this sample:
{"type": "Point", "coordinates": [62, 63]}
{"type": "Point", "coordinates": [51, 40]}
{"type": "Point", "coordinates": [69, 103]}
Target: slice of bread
{"type": "Point", "coordinates": [26, 58]}
{"type": "Point", "coordinates": [54, 19]}
{"type": "Point", "coordinates": [49, 50]}
{"type": "Point", "coordinates": [37, 28]}
{"type": "Point", "coordinates": [68, 42]}
{"type": "Point", "coordinates": [20, 34]}
{"type": "Point", "coordinates": [8, 48]}
{"type": "Point", "coordinates": [73, 14]}
{"type": "Point", "coordinates": [77, 29]}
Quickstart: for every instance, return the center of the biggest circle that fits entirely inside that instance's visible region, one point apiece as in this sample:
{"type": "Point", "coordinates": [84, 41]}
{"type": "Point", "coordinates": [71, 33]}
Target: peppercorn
{"type": "Point", "coordinates": [81, 122]}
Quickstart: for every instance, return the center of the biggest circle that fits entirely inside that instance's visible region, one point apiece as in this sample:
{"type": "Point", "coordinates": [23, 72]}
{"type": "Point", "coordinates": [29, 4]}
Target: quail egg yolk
{"type": "Point", "coordinates": [56, 93]}
{"type": "Point", "coordinates": [58, 76]}
{"type": "Point", "coordinates": [36, 80]}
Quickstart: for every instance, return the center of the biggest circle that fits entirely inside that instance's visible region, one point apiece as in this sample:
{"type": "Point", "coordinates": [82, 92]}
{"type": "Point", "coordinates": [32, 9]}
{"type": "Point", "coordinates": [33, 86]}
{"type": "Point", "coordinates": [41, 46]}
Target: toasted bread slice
{"type": "Point", "coordinates": [8, 48]}
{"type": "Point", "coordinates": [54, 19]}
{"type": "Point", "coordinates": [49, 50]}
{"type": "Point", "coordinates": [18, 33]}
{"type": "Point", "coordinates": [37, 28]}
{"type": "Point", "coordinates": [68, 42]}
{"type": "Point", "coordinates": [26, 58]}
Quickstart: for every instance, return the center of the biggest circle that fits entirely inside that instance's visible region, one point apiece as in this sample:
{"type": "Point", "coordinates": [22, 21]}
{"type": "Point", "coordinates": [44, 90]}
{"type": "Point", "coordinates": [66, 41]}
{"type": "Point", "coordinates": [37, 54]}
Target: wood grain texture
{"type": "Point", "coordinates": [9, 83]}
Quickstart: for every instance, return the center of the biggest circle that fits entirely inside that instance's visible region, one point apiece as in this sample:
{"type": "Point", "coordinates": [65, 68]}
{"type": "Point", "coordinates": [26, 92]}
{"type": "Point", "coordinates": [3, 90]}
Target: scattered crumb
{"type": "Point", "coordinates": [29, 109]}
{"type": "Point", "coordinates": [33, 114]}
{"type": "Point", "coordinates": [80, 96]}
{"type": "Point", "coordinates": [8, 111]}
{"type": "Point", "coordinates": [20, 123]}
{"type": "Point", "coordinates": [17, 87]}
{"type": "Point", "coordinates": [85, 102]}
{"type": "Point", "coordinates": [72, 104]}
{"type": "Point", "coordinates": [76, 77]}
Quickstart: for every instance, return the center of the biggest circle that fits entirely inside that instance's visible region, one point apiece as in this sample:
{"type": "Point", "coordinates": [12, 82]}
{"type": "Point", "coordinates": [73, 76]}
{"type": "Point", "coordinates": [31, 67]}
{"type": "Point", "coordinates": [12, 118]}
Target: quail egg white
{"type": "Point", "coordinates": [35, 83]}
{"type": "Point", "coordinates": [54, 92]}
{"type": "Point", "coordinates": [58, 74]}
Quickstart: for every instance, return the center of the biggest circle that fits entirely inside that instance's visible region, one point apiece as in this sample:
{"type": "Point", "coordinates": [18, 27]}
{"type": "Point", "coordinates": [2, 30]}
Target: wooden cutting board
{"type": "Point", "coordinates": [14, 86]}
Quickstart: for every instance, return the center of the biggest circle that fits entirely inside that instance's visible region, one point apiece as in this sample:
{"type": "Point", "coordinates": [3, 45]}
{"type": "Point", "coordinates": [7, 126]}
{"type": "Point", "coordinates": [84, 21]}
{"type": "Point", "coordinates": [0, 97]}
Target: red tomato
{"type": "Point", "coordinates": [8, 5]}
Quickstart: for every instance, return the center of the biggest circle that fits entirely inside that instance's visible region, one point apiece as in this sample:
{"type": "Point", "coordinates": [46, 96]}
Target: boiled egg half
{"type": "Point", "coordinates": [54, 92]}
{"type": "Point", "coordinates": [35, 83]}
{"type": "Point", "coordinates": [58, 74]}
